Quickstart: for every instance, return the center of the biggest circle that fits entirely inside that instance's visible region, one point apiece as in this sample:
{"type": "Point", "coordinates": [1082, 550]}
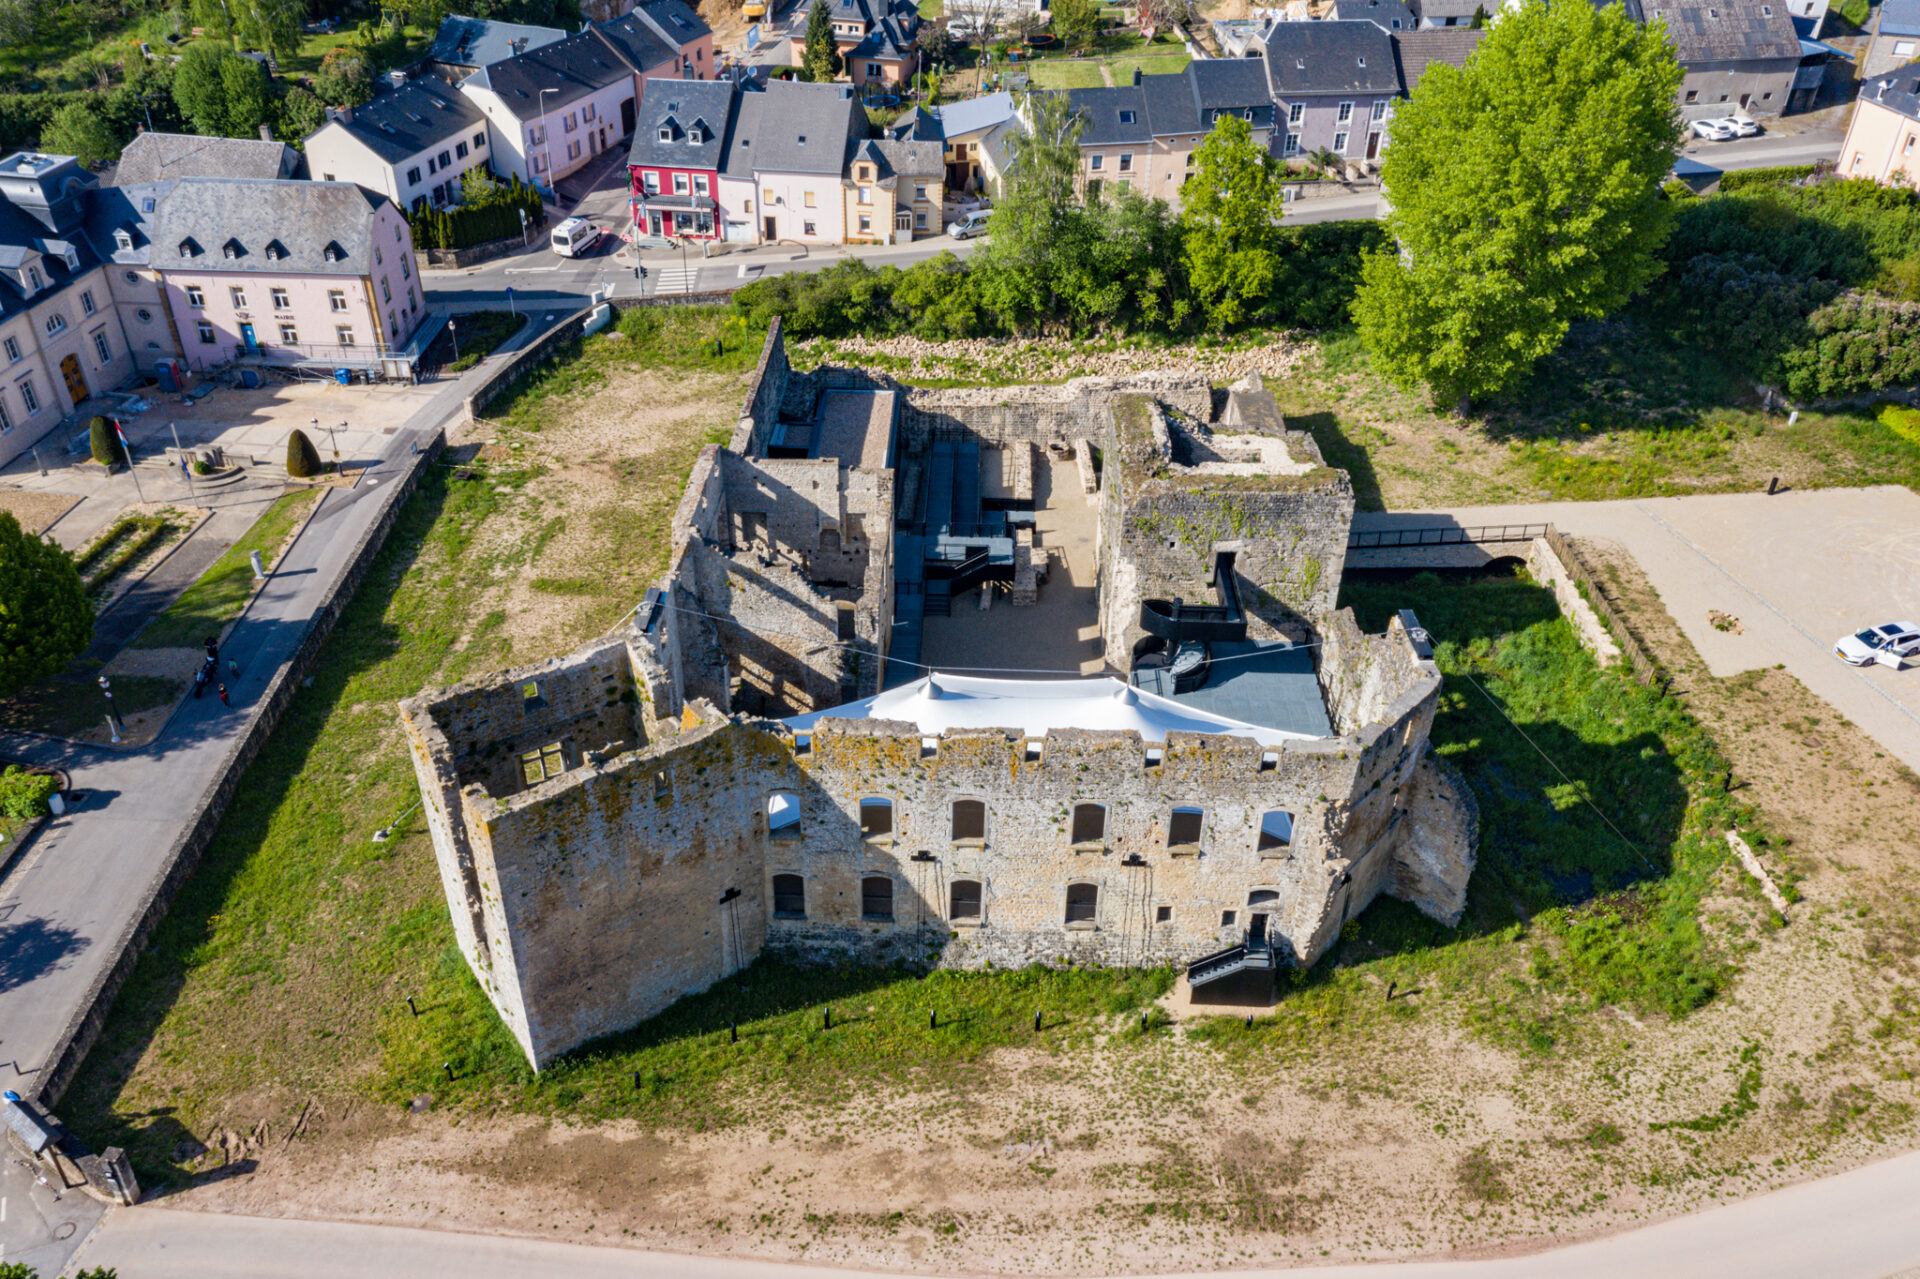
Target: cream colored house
{"type": "Point", "coordinates": [1883, 138]}
{"type": "Point", "coordinates": [893, 191]}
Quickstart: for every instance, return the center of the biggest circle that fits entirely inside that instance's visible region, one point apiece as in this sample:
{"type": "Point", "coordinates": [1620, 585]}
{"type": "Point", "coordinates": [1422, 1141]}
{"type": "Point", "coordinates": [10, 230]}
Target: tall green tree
{"type": "Point", "coordinates": [46, 618]}
{"type": "Point", "coordinates": [221, 94]}
{"type": "Point", "coordinates": [1076, 22]}
{"type": "Point", "coordinates": [1038, 224]}
{"type": "Point", "coordinates": [821, 60]}
{"type": "Point", "coordinates": [1525, 194]}
{"type": "Point", "coordinates": [77, 129]}
{"type": "Point", "coordinates": [1230, 224]}
{"type": "Point", "coordinates": [272, 26]}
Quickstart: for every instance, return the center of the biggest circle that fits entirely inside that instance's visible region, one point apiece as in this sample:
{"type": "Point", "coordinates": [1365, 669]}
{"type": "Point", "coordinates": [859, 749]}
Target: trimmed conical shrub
{"type": "Point", "coordinates": [104, 442]}
{"type": "Point", "coordinates": [303, 460]}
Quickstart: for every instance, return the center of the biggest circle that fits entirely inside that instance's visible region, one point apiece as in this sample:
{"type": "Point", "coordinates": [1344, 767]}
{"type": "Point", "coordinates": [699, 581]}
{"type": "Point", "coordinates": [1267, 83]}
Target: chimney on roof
{"type": "Point", "coordinates": [518, 44]}
{"type": "Point", "coordinates": [266, 133]}
{"type": "Point", "coordinates": [1138, 75]}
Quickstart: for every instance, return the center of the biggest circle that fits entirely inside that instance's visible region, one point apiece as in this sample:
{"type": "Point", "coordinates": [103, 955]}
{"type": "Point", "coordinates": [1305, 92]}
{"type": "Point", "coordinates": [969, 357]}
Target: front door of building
{"type": "Point", "coordinates": [246, 336]}
{"type": "Point", "coordinates": [653, 224]}
{"type": "Point", "coordinates": [76, 381]}
{"type": "Point", "coordinates": [1258, 904]}
{"type": "Point", "coordinates": [1373, 146]}
{"type": "Point", "coordinates": [626, 116]}
{"type": "Point", "coordinates": [773, 231]}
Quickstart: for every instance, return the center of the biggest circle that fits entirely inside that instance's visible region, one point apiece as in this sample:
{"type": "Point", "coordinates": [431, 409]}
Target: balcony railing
{"type": "Point", "coordinates": [313, 352]}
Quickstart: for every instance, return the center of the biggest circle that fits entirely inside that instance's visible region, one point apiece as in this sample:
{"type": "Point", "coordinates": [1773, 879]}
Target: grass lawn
{"type": "Point", "coordinates": [222, 591]}
{"type": "Point", "coordinates": [1062, 73]}
{"type": "Point", "coordinates": [476, 335]}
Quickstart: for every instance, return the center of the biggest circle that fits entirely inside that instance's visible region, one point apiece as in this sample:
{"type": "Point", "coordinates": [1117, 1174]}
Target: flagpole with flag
{"type": "Point", "coordinates": [128, 450]}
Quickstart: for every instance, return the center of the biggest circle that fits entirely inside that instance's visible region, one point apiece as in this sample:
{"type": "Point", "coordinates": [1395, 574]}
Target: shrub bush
{"type": "Point", "coordinates": [303, 460]}
{"type": "Point", "coordinates": [1777, 176]}
{"type": "Point", "coordinates": [23, 794]}
{"type": "Point", "coordinates": [495, 216]}
{"type": "Point", "coordinates": [104, 442]}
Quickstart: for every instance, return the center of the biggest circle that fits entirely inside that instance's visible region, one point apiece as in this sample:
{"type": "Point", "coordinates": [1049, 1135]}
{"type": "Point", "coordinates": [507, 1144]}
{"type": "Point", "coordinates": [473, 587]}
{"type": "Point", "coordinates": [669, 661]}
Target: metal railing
{"type": "Point", "coordinates": [313, 352]}
{"type": "Point", "coordinates": [1444, 535]}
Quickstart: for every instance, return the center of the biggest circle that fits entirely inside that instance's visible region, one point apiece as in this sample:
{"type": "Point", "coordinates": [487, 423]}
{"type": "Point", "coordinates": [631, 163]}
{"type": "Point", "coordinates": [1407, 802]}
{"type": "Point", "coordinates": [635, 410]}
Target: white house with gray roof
{"type": "Point", "coordinates": [410, 144]}
{"type": "Point", "coordinates": [462, 45]}
{"type": "Point", "coordinates": [1334, 84]}
{"type": "Point", "coordinates": [786, 161]}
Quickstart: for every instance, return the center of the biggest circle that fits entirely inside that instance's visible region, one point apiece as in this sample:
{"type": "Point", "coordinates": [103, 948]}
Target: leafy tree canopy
{"type": "Point", "coordinates": [1525, 194]}
{"type": "Point", "coordinates": [46, 618]}
{"type": "Point", "coordinates": [821, 60]}
{"type": "Point", "coordinates": [272, 26]}
{"type": "Point", "coordinates": [1035, 224]}
{"type": "Point", "coordinates": [221, 94]}
{"type": "Point", "coordinates": [1230, 224]}
{"type": "Point", "coordinates": [78, 129]}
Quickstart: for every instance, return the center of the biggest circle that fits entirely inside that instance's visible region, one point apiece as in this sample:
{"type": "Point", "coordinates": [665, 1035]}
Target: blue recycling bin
{"type": "Point", "coordinates": [343, 376]}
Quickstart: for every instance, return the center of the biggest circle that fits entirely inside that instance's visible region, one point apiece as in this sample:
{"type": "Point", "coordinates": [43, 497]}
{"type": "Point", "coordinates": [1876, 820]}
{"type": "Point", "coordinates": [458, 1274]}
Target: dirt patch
{"type": "Point", "coordinates": [1011, 360]}
{"type": "Point", "coordinates": [36, 511]}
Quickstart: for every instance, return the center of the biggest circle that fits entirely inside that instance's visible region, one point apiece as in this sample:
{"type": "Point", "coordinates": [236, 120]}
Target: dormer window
{"type": "Point", "coordinates": [696, 135]}
{"type": "Point", "coordinates": [666, 134]}
{"type": "Point", "coordinates": [1126, 117]}
{"type": "Point", "coordinates": [231, 249]}
{"type": "Point", "coordinates": [123, 239]}
{"type": "Point", "coordinates": [188, 248]}
{"type": "Point", "coordinates": [275, 250]}
{"type": "Point", "coordinates": [33, 278]}
{"type": "Point", "coordinates": [333, 252]}
{"type": "Point", "coordinates": [1363, 62]}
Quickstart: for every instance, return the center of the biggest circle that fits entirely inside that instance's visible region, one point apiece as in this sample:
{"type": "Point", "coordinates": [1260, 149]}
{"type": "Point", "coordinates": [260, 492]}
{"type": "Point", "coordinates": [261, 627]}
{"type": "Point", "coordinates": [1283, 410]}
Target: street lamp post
{"type": "Point", "coordinates": [453, 333]}
{"type": "Point", "coordinates": [335, 441]}
{"type": "Point", "coordinates": [113, 721]}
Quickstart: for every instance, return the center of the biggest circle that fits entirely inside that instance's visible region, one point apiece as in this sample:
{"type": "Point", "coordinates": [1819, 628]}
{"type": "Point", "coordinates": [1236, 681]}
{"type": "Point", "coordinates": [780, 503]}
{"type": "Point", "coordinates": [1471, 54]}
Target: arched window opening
{"type": "Point", "coordinates": [1083, 901]}
{"type": "Point", "coordinates": [969, 819]}
{"type": "Point", "coordinates": [1276, 830]}
{"type": "Point", "coordinates": [1089, 823]}
{"type": "Point", "coordinates": [876, 897]}
{"type": "Point", "coordinates": [789, 897]}
{"type": "Point", "coordinates": [965, 899]}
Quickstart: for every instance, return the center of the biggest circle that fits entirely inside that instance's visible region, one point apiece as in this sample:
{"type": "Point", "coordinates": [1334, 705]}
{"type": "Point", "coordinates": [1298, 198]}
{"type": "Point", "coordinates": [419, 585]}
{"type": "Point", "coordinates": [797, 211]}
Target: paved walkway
{"type": "Point", "coordinates": [1799, 569]}
{"type": "Point", "coordinates": [1857, 1225]}
{"type": "Point", "coordinates": [77, 888]}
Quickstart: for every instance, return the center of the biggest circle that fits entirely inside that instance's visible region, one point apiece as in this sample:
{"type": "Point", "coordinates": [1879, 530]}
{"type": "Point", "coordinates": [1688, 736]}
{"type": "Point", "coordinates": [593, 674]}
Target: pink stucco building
{"type": "Point", "coordinates": [300, 272]}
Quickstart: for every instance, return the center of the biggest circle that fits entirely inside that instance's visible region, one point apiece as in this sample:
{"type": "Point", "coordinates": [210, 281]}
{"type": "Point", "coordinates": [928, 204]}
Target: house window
{"type": "Point", "coordinates": [479, 142]}
{"type": "Point", "coordinates": [56, 324]}
{"type": "Point", "coordinates": [13, 351]}
{"type": "Point", "coordinates": [876, 818]}
{"type": "Point", "coordinates": [537, 135]}
{"type": "Point", "coordinates": [1346, 112]}
{"type": "Point", "coordinates": [920, 220]}
{"type": "Point", "coordinates": [386, 290]}
{"type": "Point", "coordinates": [1163, 914]}
{"type": "Point", "coordinates": [280, 299]}
{"type": "Point", "coordinates": [650, 182]}
{"type": "Point", "coordinates": [1226, 918]}
{"type": "Point", "coordinates": [343, 334]}
{"type": "Point", "coordinates": [1276, 830]}
{"type": "Point", "coordinates": [573, 150]}
{"type": "Point", "coordinates": [413, 176]}
{"type": "Point", "coordinates": [1126, 164]}
{"type": "Point", "coordinates": [807, 200]}
{"type": "Point", "coordinates": [1096, 162]}
{"type": "Point", "coordinates": [1089, 823]}
{"type": "Point", "coordinates": [1183, 827]}
{"type": "Point", "coordinates": [571, 123]}
{"type": "Point", "coordinates": [33, 276]}
{"type": "Point", "coordinates": [238, 297]}
{"type": "Point", "coordinates": [205, 332]}
{"type": "Point", "coordinates": [289, 335]}
{"type": "Point", "coordinates": [1380, 110]}
{"type": "Point", "coordinates": [392, 327]}
{"type": "Point", "coordinates": [806, 228]}
{"type": "Point", "coordinates": [86, 301]}
{"type": "Point", "coordinates": [679, 184]}
{"type": "Point", "coordinates": [963, 899]}
{"type": "Point", "coordinates": [29, 396]}
{"type": "Point", "coordinates": [920, 193]}
{"type": "Point", "coordinates": [460, 151]}
{"type": "Point", "coordinates": [1340, 143]}
{"type": "Point", "coordinates": [1093, 188]}
{"type": "Point", "coordinates": [145, 316]}
{"type": "Point", "coordinates": [1126, 117]}
{"type": "Point", "coordinates": [766, 197]}
{"type": "Point", "coordinates": [1083, 903]}
{"type": "Point", "coordinates": [336, 300]}
{"type": "Point", "coordinates": [866, 223]}
{"type": "Point", "coordinates": [6, 420]}
{"type": "Point", "coordinates": [539, 164]}
{"type": "Point", "coordinates": [406, 269]}
{"type": "Point", "coordinates": [969, 819]}
{"type": "Point", "coordinates": [1693, 95]}
{"type": "Point", "coordinates": [433, 166]}
{"type": "Point", "coordinates": [783, 816]}
{"type": "Point", "coordinates": [1295, 111]}
{"type": "Point", "coordinates": [101, 347]}
{"type": "Point", "coordinates": [700, 186]}
{"type": "Point", "coordinates": [876, 897]}
{"type": "Point", "coordinates": [789, 897]}
{"type": "Point", "coordinates": [865, 196]}
{"type": "Point", "coordinates": [873, 69]}
{"type": "Point", "coordinates": [586, 112]}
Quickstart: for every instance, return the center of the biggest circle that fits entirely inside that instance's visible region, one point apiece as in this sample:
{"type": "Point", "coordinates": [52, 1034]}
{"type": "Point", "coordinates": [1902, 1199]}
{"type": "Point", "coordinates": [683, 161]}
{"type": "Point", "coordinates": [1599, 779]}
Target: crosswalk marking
{"type": "Point", "coordinates": [677, 279]}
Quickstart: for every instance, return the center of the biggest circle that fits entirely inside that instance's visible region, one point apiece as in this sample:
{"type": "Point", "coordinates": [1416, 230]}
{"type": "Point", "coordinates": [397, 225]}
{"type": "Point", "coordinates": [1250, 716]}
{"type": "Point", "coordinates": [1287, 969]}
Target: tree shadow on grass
{"type": "Point", "coordinates": [1341, 452]}
{"type": "Point", "coordinates": [361, 641]}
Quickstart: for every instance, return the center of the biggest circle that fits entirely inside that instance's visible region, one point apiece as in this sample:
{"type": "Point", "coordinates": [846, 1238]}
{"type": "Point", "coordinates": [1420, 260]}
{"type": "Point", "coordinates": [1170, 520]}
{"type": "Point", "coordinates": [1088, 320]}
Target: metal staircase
{"type": "Point", "coordinates": [1252, 954]}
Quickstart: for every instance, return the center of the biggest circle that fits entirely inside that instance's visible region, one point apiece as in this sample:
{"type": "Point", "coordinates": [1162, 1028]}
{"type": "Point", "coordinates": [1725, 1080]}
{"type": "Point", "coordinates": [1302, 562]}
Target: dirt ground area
{"type": "Point", "coordinates": [36, 511]}
{"type": "Point", "coordinates": [1378, 1130]}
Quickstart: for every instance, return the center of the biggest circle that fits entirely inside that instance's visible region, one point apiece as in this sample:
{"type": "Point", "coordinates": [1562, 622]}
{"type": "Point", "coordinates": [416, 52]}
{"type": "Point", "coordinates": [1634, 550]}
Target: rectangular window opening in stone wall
{"type": "Point", "coordinates": [1083, 902]}
{"type": "Point", "coordinates": [845, 618]}
{"type": "Point", "coordinates": [1163, 914]}
{"type": "Point", "coordinates": [969, 820]}
{"type": "Point", "coordinates": [662, 788]}
{"type": "Point", "coordinates": [1226, 919]}
{"type": "Point", "coordinates": [876, 818]}
{"type": "Point", "coordinates": [530, 697]}
{"type": "Point", "coordinates": [1276, 830]}
{"type": "Point", "coordinates": [789, 897]}
{"type": "Point", "coordinates": [783, 816]}
{"type": "Point", "coordinates": [965, 899]}
{"type": "Point", "coordinates": [548, 761]}
{"type": "Point", "coordinates": [1183, 827]}
{"type": "Point", "coordinates": [1089, 823]}
{"type": "Point", "coordinates": [876, 898]}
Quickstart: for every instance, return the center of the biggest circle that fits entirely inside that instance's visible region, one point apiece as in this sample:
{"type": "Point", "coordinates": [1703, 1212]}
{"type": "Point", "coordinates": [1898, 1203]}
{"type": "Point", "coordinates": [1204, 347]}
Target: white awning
{"type": "Point", "coordinates": [939, 702]}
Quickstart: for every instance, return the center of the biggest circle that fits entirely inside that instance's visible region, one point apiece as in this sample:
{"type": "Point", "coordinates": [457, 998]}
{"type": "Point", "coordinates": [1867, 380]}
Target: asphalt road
{"type": "Point", "coordinates": [1860, 1224]}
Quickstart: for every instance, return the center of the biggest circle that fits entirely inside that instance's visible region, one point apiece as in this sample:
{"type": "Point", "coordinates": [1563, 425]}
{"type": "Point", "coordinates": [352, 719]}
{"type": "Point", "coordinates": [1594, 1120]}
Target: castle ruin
{"type": "Point", "coordinates": [971, 677]}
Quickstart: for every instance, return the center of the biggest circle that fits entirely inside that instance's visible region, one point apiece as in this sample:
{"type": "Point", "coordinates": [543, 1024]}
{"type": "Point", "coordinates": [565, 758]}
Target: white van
{"type": "Point", "coordinates": [575, 236]}
{"type": "Point", "coordinates": [972, 224]}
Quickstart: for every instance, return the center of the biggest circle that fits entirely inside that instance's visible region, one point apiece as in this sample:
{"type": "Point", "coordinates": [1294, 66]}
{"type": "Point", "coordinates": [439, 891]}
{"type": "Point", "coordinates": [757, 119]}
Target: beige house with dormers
{"type": "Point", "coordinates": [61, 340]}
{"type": "Point", "coordinates": [1883, 138]}
{"type": "Point", "coordinates": [893, 191]}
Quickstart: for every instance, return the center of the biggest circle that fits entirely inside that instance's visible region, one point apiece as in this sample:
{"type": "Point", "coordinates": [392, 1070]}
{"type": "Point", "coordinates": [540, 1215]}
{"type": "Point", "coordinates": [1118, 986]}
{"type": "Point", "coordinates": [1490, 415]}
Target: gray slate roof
{"type": "Point", "coordinates": [676, 21]}
{"type": "Point", "coordinates": [1418, 50]}
{"type": "Point", "coordinates": [896, 158]}
{"type": "Point", "coordinates": [1113, 116]}
{"type": "Point", "coordinates": [24, 238]}
{"type": "Point", "coordinates": [477, 42]}
{"type": "Point", "coordinates": [573, 68]}
{"type": "Point", "coordinates": [156, 157]}
{"type": "Point", "coordinates": [1306, 58]}
{"type": "Point", "coordinates": [1899, 18]}
{"type": "Point", "coordinates": [1167, 105]}
{"type": "Point", "coordinates": [129, 208]}
{"type": "Point", "coordinates": [301, 218]}
{"type": "Point", "coordinates": [678, 105]}
{"type": "Point", "coordinates": [406, 121]}
{"type": "Point", "coordinates": [1390, 14]}
{"type": "Point", "coordinates": [638, 42]}
{"type": "Point", "coordinates": [794, 128]}
{"type": "Point", "coordinates": [1718, 31]}
{"type": "Point", "coordinates": [1896, 90]}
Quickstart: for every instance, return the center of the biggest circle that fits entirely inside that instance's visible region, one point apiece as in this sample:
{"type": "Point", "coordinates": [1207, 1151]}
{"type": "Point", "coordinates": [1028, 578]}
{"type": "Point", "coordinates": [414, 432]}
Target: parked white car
{"type": "Point", "coordinates": [1891, 644]}
{"type": "Point", "coordinates": [1744, 126]}
{"type": "Point", "coordinates": [970, 225]}
{"type": "Point", "coordinates": [1715, 130]}
{"type": "Point", "coordinates": [573, 237]}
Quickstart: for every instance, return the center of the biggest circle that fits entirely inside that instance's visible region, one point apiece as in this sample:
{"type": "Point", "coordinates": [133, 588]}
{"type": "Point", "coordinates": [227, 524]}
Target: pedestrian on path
{"type": "Point", "coordinates": [213, 650]}
{"type": "Point", "coordinates": [200, 682]}
{"type": "Point", "coordinates": [233, 669]}
{"type": "Point", "coordinates": [223, 696]}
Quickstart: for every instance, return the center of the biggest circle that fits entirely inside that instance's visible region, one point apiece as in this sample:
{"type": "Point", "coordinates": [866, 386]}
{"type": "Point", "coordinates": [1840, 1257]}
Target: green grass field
{"type": "Point", "coordinates": [222, 591]}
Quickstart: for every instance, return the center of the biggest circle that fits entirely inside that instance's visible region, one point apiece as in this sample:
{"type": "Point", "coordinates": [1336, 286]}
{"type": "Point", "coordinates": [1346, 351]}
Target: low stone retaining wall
{"type": "Point", "coordinates": [455, 259]}
{"type": "Point", "coordinates": [1547, 568]}
{"type": "Point", "coordinates": [182, 859]}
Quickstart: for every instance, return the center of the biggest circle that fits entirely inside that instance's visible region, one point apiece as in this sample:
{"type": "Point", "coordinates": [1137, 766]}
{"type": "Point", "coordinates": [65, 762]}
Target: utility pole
{"type": "Point", "coordinates": [132, 470]}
